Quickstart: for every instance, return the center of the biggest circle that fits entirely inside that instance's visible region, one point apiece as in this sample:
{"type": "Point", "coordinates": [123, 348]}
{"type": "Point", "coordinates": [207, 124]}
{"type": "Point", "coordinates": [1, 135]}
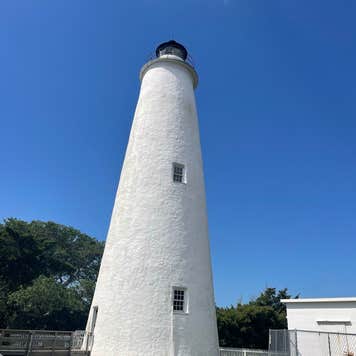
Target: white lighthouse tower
{"type": "Point", "coordinates": [154, 293]}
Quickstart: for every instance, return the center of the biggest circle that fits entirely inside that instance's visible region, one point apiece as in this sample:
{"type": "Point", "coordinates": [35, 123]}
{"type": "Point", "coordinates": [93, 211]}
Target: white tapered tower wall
{"type": "Point", "coordinates": [158, 235]}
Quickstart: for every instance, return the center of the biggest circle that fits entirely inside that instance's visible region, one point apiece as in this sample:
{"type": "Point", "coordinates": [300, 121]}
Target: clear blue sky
{"type": "Point", "coordinates": [277, 109]}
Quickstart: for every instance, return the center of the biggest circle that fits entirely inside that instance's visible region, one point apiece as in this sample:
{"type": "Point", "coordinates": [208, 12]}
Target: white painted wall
{"type": "Point", "coordinates": [337, 315]}
{"type": "Point", "coordinates": [332, 314]}
{"type": "Point", "coordinates": [158, 235]}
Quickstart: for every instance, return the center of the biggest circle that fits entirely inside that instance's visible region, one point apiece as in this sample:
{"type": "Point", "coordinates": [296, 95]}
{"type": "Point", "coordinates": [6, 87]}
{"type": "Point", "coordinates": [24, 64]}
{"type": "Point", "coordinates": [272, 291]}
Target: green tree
{"type": "Point", "coordinates": [3, 306]}
{"type": "Point", "coordinates": [247, 325]}
{"type": "Point", "coordinates": [48, 305]}
{"type": "Point", "coordinates": [46, 259]}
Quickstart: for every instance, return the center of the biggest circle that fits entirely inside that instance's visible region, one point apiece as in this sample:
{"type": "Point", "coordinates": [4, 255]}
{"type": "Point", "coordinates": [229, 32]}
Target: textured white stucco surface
{"type": "Point", "coordinates": [158, 235]}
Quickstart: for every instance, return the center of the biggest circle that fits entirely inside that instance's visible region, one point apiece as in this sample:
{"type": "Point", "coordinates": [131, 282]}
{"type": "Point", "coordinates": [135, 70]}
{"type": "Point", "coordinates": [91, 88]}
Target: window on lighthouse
{"type": "Point", "coordinates": [178, 173]}
{"type": "Point", "coordinates": [179, 299]}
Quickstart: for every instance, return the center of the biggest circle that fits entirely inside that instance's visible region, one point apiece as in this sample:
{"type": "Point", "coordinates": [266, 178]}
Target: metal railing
{"type": "Point", "coordinates": [248, 352]}
{"type": "Point", "coordinates": [242, 352]}
{"type": "Point", "coordinates": [26, 341]}
{"type": "Point", "coordinates": [311, 343]}
{"type": "Point", "coordinates": [189, 60]}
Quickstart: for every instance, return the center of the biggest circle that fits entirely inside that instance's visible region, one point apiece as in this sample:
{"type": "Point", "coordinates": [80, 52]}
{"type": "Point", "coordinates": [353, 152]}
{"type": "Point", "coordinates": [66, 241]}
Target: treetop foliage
{"type": "Point", "coordinates": [247, 325]}
{"type": "Point", "coordinates": [47, 275]}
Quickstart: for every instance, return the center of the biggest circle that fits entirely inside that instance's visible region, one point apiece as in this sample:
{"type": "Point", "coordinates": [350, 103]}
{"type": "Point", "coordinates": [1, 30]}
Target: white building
{"type": "Point", "coordinates": [323, 326]}
{"type": "Point", "coordinates": [322, 314]}
{"type": "Point", "coordinates": [154, 293]}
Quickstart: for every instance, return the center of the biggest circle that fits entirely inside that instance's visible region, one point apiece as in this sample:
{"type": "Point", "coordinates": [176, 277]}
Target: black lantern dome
{"type": "Point", "coordinates": [172, 47]}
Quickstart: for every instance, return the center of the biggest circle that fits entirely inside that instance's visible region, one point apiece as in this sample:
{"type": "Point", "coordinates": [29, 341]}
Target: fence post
{"type": "Point", "coordinates": [329, 344]}
{"type": "Point", "coordinates": [71, 343]}
{"type": "Point", "coordinates": [269, 339]}
{"type": "Point", "coordinates": [286, 347]}
{"type": "Point", "coordinates": [296, 342]}
{"type": "Point", "coordinates": [54, 343]}
{"type": "Point", "coordinates": [29, 345]}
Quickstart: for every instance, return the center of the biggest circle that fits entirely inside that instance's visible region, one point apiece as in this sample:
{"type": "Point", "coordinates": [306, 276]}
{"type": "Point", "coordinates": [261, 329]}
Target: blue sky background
{"type": "Point", "coordinates": [277, 105]}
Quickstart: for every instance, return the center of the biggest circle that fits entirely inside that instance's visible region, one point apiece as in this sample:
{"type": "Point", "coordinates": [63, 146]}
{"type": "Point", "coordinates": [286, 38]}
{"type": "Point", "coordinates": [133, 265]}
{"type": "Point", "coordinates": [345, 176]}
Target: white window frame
{"type": "Point", "coordinates": [185, 300]}
{"type": "Point", "coordinates": [184, 174]}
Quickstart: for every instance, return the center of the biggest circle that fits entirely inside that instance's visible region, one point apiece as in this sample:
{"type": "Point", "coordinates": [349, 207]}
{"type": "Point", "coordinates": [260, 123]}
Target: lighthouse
{"type": "Point", "coordinates": [154, 293]}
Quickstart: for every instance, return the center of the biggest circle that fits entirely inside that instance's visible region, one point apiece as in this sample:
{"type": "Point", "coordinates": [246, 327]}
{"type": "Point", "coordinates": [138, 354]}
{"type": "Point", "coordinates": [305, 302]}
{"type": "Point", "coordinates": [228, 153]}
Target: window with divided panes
{"type": "Point", "coordinates": [178, 173]}
{"type": "Point", "coordinates": [179, 300]}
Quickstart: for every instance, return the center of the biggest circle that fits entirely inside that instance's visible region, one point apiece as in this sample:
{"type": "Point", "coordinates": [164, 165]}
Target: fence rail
{"type": "Point", "coordinates": [25, 342]}
{"type": "Point", "coordinates": [249, 352]}
{"type": "Point", "coordinates": [242, 352]}
{"type": "Point", "coordinates": [311, 343]}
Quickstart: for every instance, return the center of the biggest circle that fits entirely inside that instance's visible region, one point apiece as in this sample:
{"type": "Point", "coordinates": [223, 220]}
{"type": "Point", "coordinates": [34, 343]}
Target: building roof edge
{"type": "Point", "coordinates": [318, 300]}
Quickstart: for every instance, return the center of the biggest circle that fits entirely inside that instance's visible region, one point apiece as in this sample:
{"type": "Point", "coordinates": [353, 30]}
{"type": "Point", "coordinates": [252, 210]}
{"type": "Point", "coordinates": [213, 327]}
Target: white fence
{"type": "Point", "coordinates": [25, 342]}
{"type": "Point", "coordinates": [242, 352]}
{"type": "Point", "coordinates": [312, 343]}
